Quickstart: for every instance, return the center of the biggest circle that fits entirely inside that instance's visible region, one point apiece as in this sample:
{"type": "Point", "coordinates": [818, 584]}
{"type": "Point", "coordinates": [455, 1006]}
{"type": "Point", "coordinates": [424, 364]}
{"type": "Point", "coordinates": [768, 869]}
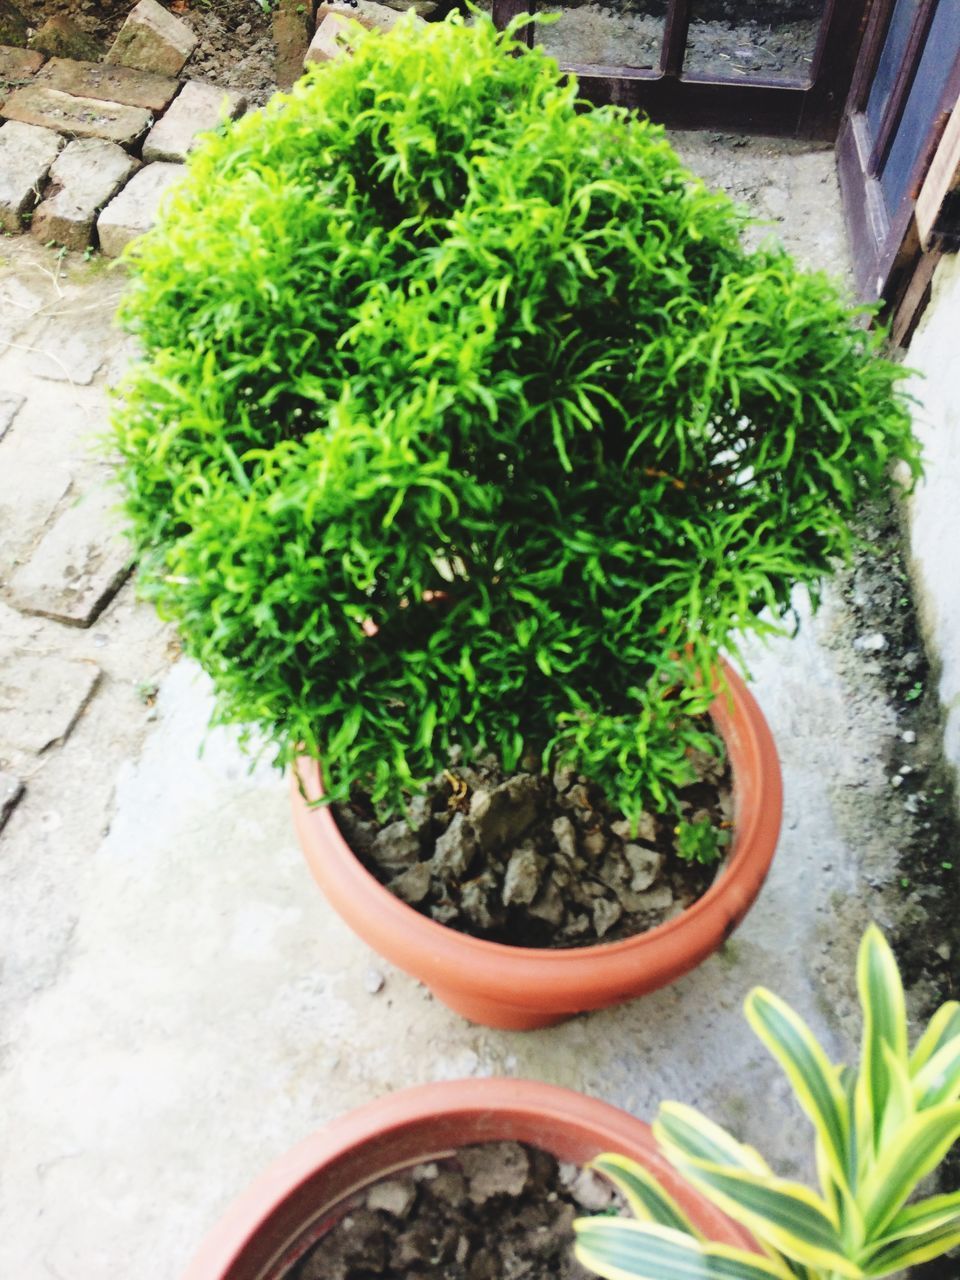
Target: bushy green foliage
{"type": "Point", "coordinates": [425, 326]}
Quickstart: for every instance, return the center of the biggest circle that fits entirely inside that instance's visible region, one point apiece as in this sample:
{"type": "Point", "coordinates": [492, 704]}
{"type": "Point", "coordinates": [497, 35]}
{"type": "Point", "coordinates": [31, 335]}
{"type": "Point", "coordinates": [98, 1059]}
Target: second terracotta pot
{"type": "Point", "coordinates": [299, 1198]}
{"type": "Point", "coordinates": [519, 988]}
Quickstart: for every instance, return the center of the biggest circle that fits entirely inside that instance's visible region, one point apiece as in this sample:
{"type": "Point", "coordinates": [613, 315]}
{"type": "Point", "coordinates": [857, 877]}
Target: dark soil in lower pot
{"type": "Point", "coordinates": [496, 1211]}
{"type": "Point", "coordinates": [537, 861]}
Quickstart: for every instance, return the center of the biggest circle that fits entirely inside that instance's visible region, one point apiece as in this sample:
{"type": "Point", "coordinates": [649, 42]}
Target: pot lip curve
{"type": "Point", "coordinates": [752, 751]}
{"type": "Point", "coordinates": [605, 1126]}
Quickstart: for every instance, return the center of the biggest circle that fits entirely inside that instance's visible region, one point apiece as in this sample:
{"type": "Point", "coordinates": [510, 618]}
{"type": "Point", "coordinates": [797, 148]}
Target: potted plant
{"type": "Point", "coordinates": [880, 1131]}
{"type": "Point", "coordinates": [302, 1196]}
{"type": "Point", "coordinates": [466, 426]}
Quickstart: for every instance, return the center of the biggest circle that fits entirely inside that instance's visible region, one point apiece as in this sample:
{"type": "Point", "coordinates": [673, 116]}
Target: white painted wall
{"type": "Point", "coordinates": [934, 510]}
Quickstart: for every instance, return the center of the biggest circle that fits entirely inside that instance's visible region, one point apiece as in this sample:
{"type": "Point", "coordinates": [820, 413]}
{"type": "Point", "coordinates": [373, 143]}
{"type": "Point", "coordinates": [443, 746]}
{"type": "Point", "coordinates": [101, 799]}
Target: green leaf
{"type": "Point", "coordinates": [810, 1073]}
{"type": "Point", "coordinates": [884, 1023]}
{"type": "Point", "coordinates": [622, 1250]}
{"type": "Point", "coordinates": [644, 1195]}
{"type": "Point", "coordinates": [907, 1157]}
{"type": "Point", "coordinates": [785, 1215]}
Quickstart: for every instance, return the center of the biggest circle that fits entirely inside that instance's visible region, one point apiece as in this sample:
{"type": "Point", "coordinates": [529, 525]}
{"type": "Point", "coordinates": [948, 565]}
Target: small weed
{"type": "Point", "coordinates": [914, 692]}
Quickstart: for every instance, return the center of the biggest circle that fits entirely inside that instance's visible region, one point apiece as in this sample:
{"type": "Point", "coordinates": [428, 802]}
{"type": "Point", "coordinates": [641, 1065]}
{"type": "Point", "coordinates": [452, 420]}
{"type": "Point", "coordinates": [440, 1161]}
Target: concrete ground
{"type": "Point", "coordinates": [177, 1002]}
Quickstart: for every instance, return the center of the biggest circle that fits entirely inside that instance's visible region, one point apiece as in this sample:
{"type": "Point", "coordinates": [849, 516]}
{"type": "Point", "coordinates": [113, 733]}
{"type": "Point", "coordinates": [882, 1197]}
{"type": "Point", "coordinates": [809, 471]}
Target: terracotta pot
{"type": "Point", "coordinates": [518, 988]}
{"type": "Point", "coordinates": [273, 1224]}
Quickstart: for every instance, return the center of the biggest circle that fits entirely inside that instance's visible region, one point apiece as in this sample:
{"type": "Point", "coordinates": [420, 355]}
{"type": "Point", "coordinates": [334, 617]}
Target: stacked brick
{"type": "Point", "coordinates": [89, 149]}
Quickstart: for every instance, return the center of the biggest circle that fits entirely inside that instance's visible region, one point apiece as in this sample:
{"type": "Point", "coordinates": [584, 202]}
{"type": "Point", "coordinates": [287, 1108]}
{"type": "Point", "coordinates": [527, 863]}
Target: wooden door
{"type": "Point", "coordinates": [904, 90]}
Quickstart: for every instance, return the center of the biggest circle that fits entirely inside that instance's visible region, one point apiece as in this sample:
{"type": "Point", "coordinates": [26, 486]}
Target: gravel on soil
{"type": "Point", "coordinates": [495, 1211]}
{"type": "Point", "coordinates": [539, 861]}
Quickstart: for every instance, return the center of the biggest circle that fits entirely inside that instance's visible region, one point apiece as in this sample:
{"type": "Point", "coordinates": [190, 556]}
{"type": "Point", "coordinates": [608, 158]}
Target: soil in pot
{"type": "Point", "coordinates": [536, 861]}
{"type": "Point", "coordinates": [494, 1211]}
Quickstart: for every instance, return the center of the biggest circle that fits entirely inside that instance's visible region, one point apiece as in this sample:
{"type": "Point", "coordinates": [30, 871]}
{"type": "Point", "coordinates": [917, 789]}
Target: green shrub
{"type": "Point", "coordinates": [426, 325]}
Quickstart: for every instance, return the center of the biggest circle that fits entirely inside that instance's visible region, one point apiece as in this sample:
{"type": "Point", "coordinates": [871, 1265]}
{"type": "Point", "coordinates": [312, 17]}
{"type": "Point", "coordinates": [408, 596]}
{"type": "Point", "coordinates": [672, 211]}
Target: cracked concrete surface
{"type": "Point", "coordinates": [177, 1002]}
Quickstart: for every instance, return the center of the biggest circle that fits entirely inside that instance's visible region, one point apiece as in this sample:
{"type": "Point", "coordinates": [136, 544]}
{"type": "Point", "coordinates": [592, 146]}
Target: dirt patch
{"type": "Point", "coordinates": [538, 861]}
{"type": "Point", "coordinates": [236, 47]}
{"type": "Point", "coordinates": [495, 1211]}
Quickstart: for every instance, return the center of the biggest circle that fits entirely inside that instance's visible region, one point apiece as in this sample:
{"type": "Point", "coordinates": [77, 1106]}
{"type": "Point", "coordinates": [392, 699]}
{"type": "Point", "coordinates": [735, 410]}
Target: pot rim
{"type": "Point", "coordinates": [753, 761]}
{"type": "Point", "coordinates": [258, 1228]}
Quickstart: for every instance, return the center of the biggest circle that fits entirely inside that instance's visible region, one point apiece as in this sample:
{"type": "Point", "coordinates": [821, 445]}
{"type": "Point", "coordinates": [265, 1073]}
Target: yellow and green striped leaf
{"type": "Point", "coordinates": [912, 1250]}
{"type": "Point", "coordinates": [809, 1071]}
{"type": "Point", "coordinates": [938, 1080]}
{"type": "Point", "coordinates": [943, 1027]}
{"type": "Point", "coordinates": [620, 1249]}
{"type": "Point", "coordinates": [685, 1134]}
{"type": "Point", "coordinates": [786, 1215]}
{"type": "Point", "coordinates": [922, 1216]}
{"type": "Point", "coordinates": [884, 1022]}
{"type": "Point", "coordinates": [644, 1195]}
{"type": "Point", "coordinates": [915, 1150]}
{"type": "Point", "coordinates": [900, 1105]}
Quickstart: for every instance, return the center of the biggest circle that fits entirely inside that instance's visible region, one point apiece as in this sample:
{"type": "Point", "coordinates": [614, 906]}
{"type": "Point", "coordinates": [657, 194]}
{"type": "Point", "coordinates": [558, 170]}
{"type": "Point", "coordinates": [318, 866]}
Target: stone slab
{"type": "Point", "coordinates": [11, 790]}
{"type": "Point", "coordinates": [37, 104]}
{"type": "Point", "coordinates": [126, 85]}
{"type": "Point", "coordinates": [79, 565]}
{"type": "Point", "coordinates": [152, 39]}
{"type": "Point", "coordinates": [20, 302]}
{"type": "Point", "coordinates": [41, 698]}
{"type": "Point", "coordinates": [199, 108]}
{"type": "Point", "coordinates": [369, 13]}
{"type": "Point", "coordinates": [135, 209]}
{"type": "Point", "coordinates": [10, 406]}
{"type": "Point", "coordinates": [84, 177]}
{"type": "Point", "coordinates": [64, 351]}
{"type": "Point", "coordinates": [26, 154]}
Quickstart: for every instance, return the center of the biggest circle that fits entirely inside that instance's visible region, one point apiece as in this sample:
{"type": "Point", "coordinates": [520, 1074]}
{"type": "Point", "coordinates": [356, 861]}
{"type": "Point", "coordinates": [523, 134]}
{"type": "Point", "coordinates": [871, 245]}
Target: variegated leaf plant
{"type": "Point", "coordinates": [879, 1131]}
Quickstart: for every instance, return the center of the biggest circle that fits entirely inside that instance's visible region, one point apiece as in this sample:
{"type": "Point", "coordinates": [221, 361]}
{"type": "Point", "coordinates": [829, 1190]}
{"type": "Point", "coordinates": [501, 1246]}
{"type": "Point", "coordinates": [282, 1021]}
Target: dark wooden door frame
{"type": "Point", "coordinates": [889, 261]}
{"type": "Point", "coordinates": [805, 108]}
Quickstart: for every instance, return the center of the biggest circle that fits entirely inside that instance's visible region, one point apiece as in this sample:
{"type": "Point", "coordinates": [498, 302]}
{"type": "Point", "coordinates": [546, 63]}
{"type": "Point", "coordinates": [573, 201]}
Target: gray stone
{"type": "Point", "coordinates": [79, 565]}
{"type": "Point", "coordinates": [454, 850]}
{"type": "Point", "coordinates": [594, 843]}
{"type": "Point", "coordinates": [646, 826]}
{"type": "Point", "coordinates": [475, 900]}
{"type": "Point", "coordinates": [660, 898]}
{"type": "Point", "coordinates": [565, 834]}
{"type": "Point", "coordinates": [423, 8]}
{"type": "Point", "coordinates": [62, 352]}
{"type": "Point", "coordinates": [48, 108]}
{"type": "Point", "coordinates": [412, 885]}
{"type": "Point", "coordinates": [127, 85]}
{"type": "Point", "coordinates": [198, 109]}
{"type": "Point", "coordinates": [373, 981]}
{"type": "Point", "coordinates": [41, 698]}
{"type": "Point", "coordinates": [396, 846]}
{"type": "Point", "coordinates": [521, 883]}
{"type": "Point", "coordinates": [11, 789]}
{"type": "Point", "coordinates": [549, 906]}
{"type": "Point", "coordinates": [395, 1197]}
{"type": "Point", "coordinates": [26, 154]}
{"type": "Point", "coordinates": [85, 176]}
{"type": "Point", "coordinates": [645, 864]}
{"type": "Point", "coordinates": [606, 913]}
{"type": "Point", "coordinates": [135, 209]}
{"type": "Point", "coordinates": [9, 408]}
{"type": "Point", "coordinates": [494, 1169]}
{"type": "Point", "coordinates": [152, 39]}
{"type": "Point", "coordinates": [504, 814]}
{"type": "Point", "coordinates": [591, 1191]}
